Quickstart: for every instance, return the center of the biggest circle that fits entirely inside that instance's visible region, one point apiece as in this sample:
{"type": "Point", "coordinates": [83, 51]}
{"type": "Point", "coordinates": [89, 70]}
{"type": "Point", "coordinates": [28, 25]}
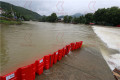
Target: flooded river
{"type": "Point", "coordinates": [23, 44]}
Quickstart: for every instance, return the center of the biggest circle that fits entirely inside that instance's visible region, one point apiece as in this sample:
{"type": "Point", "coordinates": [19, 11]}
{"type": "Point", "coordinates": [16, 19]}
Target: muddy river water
{"type": "Point", "coordinates": [23, 44]}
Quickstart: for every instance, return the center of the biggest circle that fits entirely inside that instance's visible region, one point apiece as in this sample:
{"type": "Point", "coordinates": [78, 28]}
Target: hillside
{"type": "Point", "coordinates": [77, 15]}
{"type": "Point", "coordinates": [22, 11]}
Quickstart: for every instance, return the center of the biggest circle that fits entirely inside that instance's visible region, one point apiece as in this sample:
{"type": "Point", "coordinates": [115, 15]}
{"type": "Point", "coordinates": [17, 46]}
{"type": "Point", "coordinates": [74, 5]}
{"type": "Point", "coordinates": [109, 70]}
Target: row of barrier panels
{"type": "Point", "coordinates": [28, 72]}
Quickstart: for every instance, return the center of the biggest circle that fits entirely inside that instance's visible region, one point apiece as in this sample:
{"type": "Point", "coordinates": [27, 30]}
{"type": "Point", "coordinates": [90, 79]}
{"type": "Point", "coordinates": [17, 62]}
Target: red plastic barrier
{"type": "Point", "coordinates": [55, 57]}
{"type": "Point", "coordinates": [51, 59]}
{"type": "Point", "coordinates": [81, 42]}
{"type": "Point", "coordinates": [28, 72]}
{"type": "Point", "coordinates": [11, 76]}
{"type": "Point", "coordinates": [77, 45]}
{"type": "Point", "coordinates": [47, 62]}
{"type": "Point", "coordinates": [68, 47]}
{"type": "Point", "coordinates": [64, 50]}
{"type": "Point", "coordinates": [39, 66]}
{"type": "Point", "coordinates": [59, 54]}
{"type": "Point", "coordinates": [72, 46]}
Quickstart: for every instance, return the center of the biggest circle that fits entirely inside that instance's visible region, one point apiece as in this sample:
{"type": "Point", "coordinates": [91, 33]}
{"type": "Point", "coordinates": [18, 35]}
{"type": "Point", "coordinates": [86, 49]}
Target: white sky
{"type": "Point", "coordinates": [64, 7]}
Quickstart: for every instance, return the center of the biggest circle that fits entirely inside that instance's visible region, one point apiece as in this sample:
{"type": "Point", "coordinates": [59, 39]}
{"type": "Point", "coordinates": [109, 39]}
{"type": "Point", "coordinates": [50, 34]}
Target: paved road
{"type": "Point", "coordinates": [86, 63]}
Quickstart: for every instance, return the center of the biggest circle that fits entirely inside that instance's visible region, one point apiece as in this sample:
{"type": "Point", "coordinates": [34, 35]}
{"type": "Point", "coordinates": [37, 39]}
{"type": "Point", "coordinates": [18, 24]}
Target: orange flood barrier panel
{"type": "Point", "coordinates": [55, 57]}
{"type": "Point", "coordinates": [47, 62]}
{"type": "Point", "coordinates": [11, 76]}
{"type": "Point", "coordinates": [28, 72]}
{"type": "Point", "coordinates": [72, 46]}
{"type": "Point", "coordinates": [77, 45]}
{"type": "Point", "coordinates": [64, 50]}
{"type": "Point", "coordinates": [51, 59]}
{"type": "Point", "coordinates": [68, 48]}
{"type": "Point", "coordinates": [59, 54]}
{"type": "Point", "coordinates": [39, 66]}
{"type": "Point", "coordinates": [81, 42]}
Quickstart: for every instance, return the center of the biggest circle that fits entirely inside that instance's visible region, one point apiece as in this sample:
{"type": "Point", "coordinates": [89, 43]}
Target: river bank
{"type": "Point", "coordinates": [11, 22]}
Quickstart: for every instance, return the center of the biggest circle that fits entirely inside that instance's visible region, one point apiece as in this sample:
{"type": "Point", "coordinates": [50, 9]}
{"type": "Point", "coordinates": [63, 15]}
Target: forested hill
{"type": "Point", "coordinates": [28, 14]}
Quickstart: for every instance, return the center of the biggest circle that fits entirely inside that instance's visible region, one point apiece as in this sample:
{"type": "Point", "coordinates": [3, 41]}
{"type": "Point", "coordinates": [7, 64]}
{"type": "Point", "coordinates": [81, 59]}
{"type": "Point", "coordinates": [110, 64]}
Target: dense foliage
{"type": "Point", "coordinates": [67, 19]}
{"type": "Point", "coordinates": [27, 14]}
{"type": "Point", "coordinates": [109, 16]}
{"type": "Point", "coordinates": [51, 18]}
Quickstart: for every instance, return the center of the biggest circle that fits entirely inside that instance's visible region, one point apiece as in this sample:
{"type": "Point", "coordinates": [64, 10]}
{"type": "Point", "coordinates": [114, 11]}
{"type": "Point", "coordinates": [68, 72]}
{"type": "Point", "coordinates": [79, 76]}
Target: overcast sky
{"type": "Point", "coordinates": [64, 7]}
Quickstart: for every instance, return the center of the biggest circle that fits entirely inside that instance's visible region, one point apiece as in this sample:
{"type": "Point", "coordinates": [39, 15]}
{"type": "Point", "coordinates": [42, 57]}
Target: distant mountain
{"type": "Point", "coordinates": [22, 11]}
{"type": "Point", "coordinates": [77, 15]}
{"type": "Point", "coordinates": [60, 16]}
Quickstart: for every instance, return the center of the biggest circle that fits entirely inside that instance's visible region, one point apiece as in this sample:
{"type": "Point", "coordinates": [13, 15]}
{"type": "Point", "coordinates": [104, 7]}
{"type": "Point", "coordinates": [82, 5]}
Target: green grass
{"type": "Point", "coordinates": [10, 22]}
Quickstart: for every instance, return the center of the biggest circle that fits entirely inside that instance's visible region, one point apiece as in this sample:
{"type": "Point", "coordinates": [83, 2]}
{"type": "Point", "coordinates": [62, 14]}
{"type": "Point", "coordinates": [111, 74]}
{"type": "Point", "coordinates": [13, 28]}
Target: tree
{"type": "Point", "coordinates": [109, 16]}
{"type": "Point", "coordinates": [75, 20]}
{"type": "Point", "coordinates": [44, 19]}
{"type": "Point", "coordinates": [66, 19]}
{"type": "Point", "coordinates": [100, 16]}
{"type": "Point", "coordinates": [69, 19]}
{"type": "Point", "coordinates": [53, 17]}
{"type": "Point", "coordinates": [89, 18]}
{"type": "Point", "coordinates": [114, 16]}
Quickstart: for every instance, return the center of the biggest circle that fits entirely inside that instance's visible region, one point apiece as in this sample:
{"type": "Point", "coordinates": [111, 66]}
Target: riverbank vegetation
{"type": "Point", "coordinates": [11, 14]}
{"type": "Point", "coordinates": [109, 17]}
{"type": "Point", "coordinates": [103, 16]}
{"type": "Point", "coordinates": [51, 18]}
{"type": "Point", "coordinates": [9, 21]}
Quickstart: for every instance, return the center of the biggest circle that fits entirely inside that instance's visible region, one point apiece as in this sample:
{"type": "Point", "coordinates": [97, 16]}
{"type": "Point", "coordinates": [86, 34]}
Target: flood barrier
{"type": "Point", "coordinates": [63, 52]}
{"type": "Point", "coordinates": [55, 57]}
{"type": "Point", "coordinates": [47, 62]}
{"type": "Point", "coordinates": [28, 72]}
{"type": "Point", "coordinates": [59, 54]}
{"type": "Point", "coordinates": [39, 66]}
{"type": "Point", "coordinates": [51, 59]}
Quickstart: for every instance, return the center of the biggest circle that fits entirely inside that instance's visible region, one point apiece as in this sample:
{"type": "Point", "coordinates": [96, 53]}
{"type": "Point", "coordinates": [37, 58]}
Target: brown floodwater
{"type": "Point", "coordinates": [23, 44]}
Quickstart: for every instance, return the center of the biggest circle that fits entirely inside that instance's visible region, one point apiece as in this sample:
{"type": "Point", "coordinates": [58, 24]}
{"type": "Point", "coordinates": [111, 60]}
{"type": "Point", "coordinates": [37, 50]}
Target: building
{"type": "Point", "coordinates": [60, 19]}
{"type": "Point", "coordinates": [1, 12]}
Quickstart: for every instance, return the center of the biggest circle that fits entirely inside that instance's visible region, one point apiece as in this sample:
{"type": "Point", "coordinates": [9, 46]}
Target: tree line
{"type": "Point", "coordinates": [109, 16]}
{"type": "Point", "coordinates": [51, 18]}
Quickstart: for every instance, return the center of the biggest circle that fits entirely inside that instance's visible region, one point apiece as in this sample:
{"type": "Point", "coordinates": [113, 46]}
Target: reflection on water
{"type": "Point", "coordinates": [23, 44]}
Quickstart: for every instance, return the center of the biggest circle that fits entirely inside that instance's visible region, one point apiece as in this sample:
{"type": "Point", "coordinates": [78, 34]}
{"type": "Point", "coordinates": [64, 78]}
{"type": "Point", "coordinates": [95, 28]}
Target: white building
{"type": "Point", "coordinates": [1, 11]}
